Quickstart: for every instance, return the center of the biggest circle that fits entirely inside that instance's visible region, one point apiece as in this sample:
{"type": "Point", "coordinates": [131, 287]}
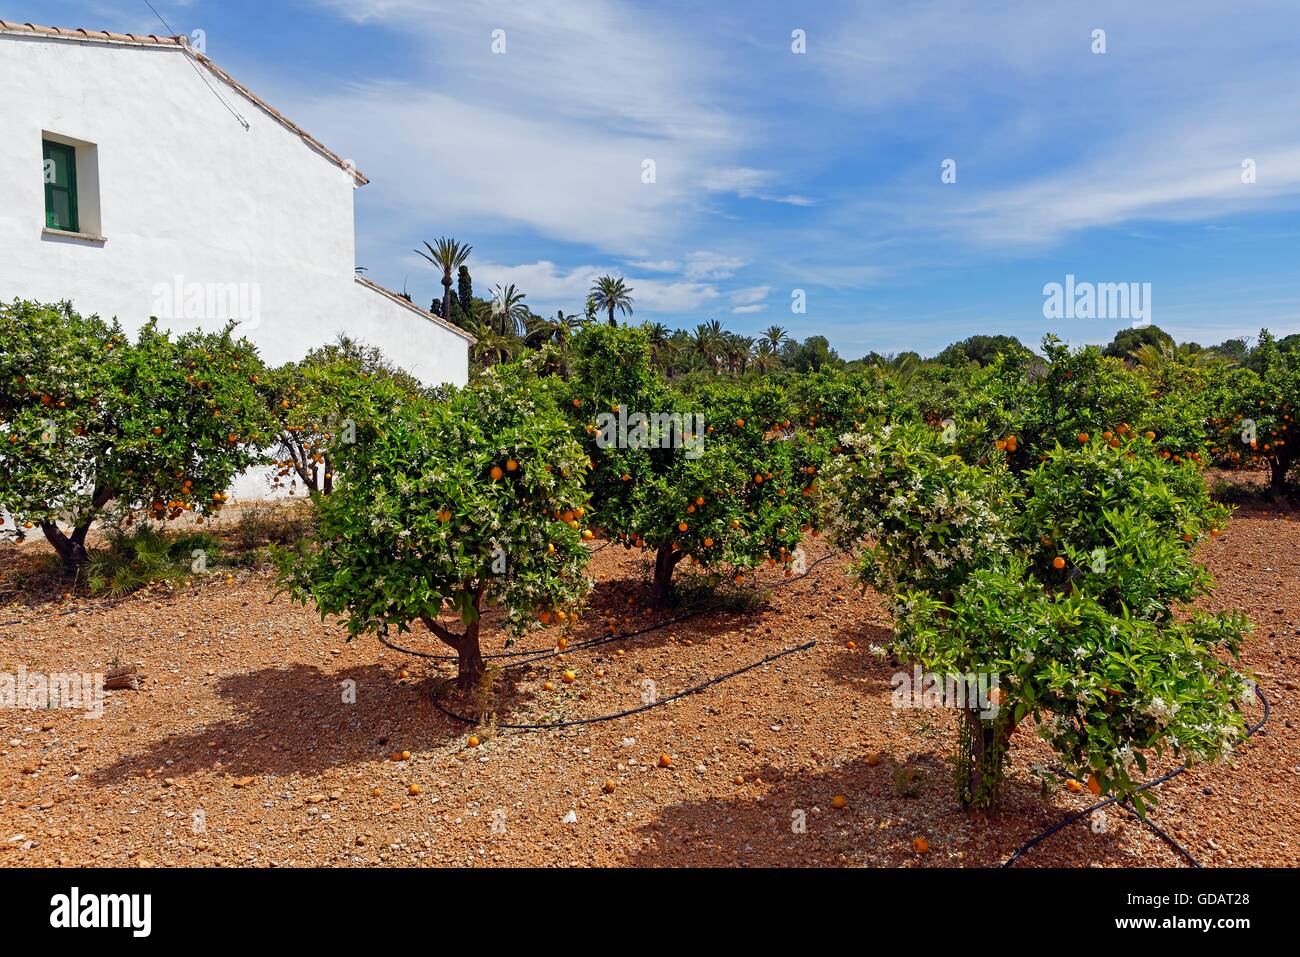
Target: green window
{"type": "Point", "coordinates": [60, 186]}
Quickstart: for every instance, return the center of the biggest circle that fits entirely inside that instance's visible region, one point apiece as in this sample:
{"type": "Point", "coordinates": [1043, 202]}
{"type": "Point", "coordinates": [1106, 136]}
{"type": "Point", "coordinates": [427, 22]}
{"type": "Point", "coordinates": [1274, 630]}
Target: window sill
{"type": "Point", "coordinates": [66, 234]}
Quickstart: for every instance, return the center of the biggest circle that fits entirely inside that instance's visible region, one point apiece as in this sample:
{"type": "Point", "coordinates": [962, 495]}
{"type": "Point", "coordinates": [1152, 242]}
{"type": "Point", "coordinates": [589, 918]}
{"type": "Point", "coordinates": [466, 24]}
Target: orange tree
{"type": "Point", "coordinates": [712, 475]}
{"type": "Point", "coordinates": [88, 418]}
{"type": "Point", "coordinates": [448, 508]}
{"type": "Point", "coordinates": [324, 395]}
{"type": "Point", "coordinates": [1062, 581]}
{"type": "Point", "coordinates": [1061, 397]}
{"type": "Point", "coordinates": [1255, 408]}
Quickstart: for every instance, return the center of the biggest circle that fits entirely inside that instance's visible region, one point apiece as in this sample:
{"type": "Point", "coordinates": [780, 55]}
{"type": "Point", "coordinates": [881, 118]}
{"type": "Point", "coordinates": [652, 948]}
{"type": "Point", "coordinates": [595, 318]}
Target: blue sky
{"type": "Point", "coordinates": [819, 171]}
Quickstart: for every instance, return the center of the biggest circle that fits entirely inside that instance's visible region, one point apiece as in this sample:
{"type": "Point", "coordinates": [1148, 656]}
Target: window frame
{"type": "Point", "coordinates": [69, 154]}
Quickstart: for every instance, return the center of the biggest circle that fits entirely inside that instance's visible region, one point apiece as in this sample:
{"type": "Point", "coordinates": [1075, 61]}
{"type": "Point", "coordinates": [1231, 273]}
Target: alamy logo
{"type": "Point", "coordinates": [36, 691]}
{"type": "Point", "coordinates": [1098, 300]}
{"type": "Point", "coordinates": [208, 301]}
{"type": "Point", "coordinates": [972, 691]}
{"type": "Point", "coordinates": [659, 430]}
{"type": "Point", "coordinates": [103, 910]}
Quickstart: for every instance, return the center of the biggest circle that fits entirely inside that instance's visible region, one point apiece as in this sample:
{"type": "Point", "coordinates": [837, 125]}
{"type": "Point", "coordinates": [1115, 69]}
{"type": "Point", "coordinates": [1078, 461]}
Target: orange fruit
{"type": "Point", "coordinates": [1083, 438]}
{"type": "Point", "coordinates": [562, 643]}
{"type": "Point", "coordinates": [681, 526]}
{"type": "Point", "coordinates": [473, 741]}
{"type": "Point", "coordinates": [921, 846]}
{"type": "Point", "coordinates": [548, 687]}
{"type": "Point", "coordinates": [739, 779]}
{"type": "Point", "coordinates": [708, 543]}
{"type": "Point", "coordinates": [414, 789]}
{"type": "Point", "coordinates": [511, 465]}
{"type": "Point", "coordinates": [851, 645]}
{"type": "Point", "coordinates": [740, 422]}
{"type": "Point", "coordinates": [1058, 563]}
{"type": "Point", "coordinates": [377, 792]}
{"type": "Point", "coordinates": [569, 678]}
{"type": "Point", "coordinates": [665, 761]}
{"type": "Point", "coordinates": [1093, 784]}
{"type": "Point", "coordinates": [839, 802]}
{"type": "Point", "coordinates": [496, 473]}
{"type": "Point", "coordinates": [1073, 786]}
{"type": "Point", "coordinates": [609, 787]}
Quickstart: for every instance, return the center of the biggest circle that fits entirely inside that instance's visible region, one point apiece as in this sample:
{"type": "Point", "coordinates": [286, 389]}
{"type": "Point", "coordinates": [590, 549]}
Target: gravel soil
{"type": "Point", "coordinates": [240, 750]}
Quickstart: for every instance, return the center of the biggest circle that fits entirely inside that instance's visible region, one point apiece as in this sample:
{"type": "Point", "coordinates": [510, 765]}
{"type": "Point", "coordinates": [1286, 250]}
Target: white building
{"type": "Point", "coordinates": [138, 178]}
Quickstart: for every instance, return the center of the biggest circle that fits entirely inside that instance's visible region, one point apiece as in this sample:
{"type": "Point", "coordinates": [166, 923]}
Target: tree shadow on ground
{"type": "Point", "coordinates": [877, 826]}
{"type": "Point", "coordinates": [295, 721]}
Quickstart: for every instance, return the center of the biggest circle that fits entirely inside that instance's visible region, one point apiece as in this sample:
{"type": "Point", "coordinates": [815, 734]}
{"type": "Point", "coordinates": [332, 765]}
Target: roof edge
{"type": "Point", "coordinates": [436, 320]}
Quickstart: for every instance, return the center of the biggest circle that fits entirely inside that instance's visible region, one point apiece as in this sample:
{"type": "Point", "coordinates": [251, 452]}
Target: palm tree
{"type": "Point", "coordinates": [448, 255]}
{"type": "Point", "coordinates": [1158, 356]}
{"type": "Point", "coordinates": [494, 346]}
{"type": "Point", "coordinates": [708, 340]}
{"type": "Point", "coordinates": [735, 350]}
{"type": "Point", "coordinates": [657, 334]}
{"type": "Point", "coordinates": [508, 309]}
{"type": "Point", "coordinates": [609, 294]}
{"type": "Point", "coordinates": [541, 332]}
{"type": "Point", "coordinates": [765, 357]}
{"type": "Point", "coordinates": [775, 336]}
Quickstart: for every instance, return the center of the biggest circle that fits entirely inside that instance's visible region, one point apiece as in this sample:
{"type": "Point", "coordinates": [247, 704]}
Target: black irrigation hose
{"type": "Point", "coordinates": [537, 654]}
{"type": "Point", "coordinates": [1032, 842]}
{"type": "Point", "coordinates": [696, 689]}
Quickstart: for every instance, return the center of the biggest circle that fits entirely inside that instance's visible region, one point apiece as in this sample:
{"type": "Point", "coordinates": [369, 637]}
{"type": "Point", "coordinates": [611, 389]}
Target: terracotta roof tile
{"type": "Point", "coordinates": [182, 43]}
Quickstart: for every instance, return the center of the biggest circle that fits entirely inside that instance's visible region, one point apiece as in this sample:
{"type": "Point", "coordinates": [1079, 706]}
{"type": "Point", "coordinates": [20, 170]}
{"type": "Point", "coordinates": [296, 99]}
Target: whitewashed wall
{"type": "Point", "coordinates": [186, 194]}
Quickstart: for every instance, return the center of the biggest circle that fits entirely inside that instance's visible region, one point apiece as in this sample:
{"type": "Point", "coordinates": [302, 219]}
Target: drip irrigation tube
{"type": "Point", "coordinates": [695, 689]}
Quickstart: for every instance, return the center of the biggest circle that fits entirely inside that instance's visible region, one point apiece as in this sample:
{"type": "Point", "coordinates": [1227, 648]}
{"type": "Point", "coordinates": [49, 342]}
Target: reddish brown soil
{"type": "Point", "coordinates": [242, 717]}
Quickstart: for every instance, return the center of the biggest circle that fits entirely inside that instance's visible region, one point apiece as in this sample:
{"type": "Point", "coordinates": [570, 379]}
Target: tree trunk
{"type": "Point", "coordinates": [982, 752]}
{"type": "Point", "coordinates": [1279, 469]}
{"type": "Point", "coordinates": [469, 657]}
{"type": "Point", "coordinates": [613, 324]}
{"type": "Point", "coordinates": [665, 561]}
{"type": "Point", "coordinates": [446, 295]}
{"type": "Point", "coordinates": [469, 660]}
{"type": "Point", "coordinates": [329, 475]}
{"type": "Point", "coordinates": [71, 548]}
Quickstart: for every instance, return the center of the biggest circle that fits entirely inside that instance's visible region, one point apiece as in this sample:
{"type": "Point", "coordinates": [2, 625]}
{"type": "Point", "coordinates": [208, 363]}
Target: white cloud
{"type": "Point", "coordinates": [749, 183]}
{"type": "Point", "coordinates": [744, 310]}
{"type": "Point", "coordinates": [749, 296]}
{"type": "Point", "coordinates": [549, 136]}
{"type": "Point", "coordinates": [703, 264]}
